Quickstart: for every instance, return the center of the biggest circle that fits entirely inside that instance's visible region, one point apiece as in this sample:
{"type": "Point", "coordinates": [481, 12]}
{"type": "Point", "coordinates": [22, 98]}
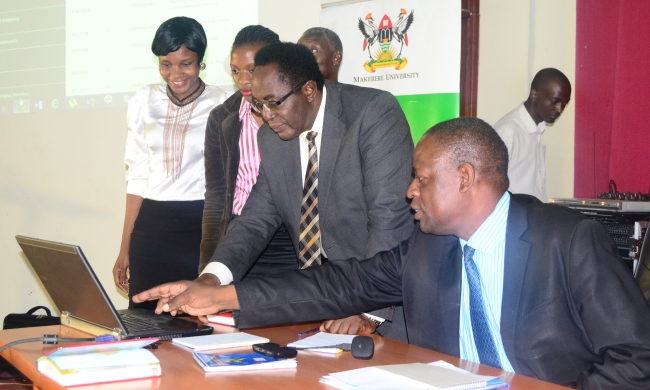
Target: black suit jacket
{"type": "Point", "coordinates": [365, 164]}
{"type": "Point", "coordinates": [571, 311]}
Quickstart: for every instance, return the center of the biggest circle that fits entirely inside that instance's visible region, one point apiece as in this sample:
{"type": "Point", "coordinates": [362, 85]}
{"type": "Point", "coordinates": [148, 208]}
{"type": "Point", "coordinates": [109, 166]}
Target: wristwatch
{"type": "Point", "coordinates": [377, 323]}
{"type": "Point", "coordinates": [374, 320]}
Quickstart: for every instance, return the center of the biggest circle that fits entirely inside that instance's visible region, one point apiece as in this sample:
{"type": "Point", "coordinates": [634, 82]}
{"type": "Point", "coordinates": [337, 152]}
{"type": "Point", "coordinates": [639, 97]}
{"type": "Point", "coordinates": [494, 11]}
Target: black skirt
{"type": "Point", "coordinates": [165, 245]}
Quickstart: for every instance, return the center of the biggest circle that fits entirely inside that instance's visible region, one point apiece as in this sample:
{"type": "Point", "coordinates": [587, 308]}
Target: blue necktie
{"type": "Point", "coordinates": [487, 349]}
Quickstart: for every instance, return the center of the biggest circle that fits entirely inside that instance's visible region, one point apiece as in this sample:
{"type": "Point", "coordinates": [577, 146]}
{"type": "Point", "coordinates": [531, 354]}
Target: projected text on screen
{"type": "Point", "coordinates": [94, 53]}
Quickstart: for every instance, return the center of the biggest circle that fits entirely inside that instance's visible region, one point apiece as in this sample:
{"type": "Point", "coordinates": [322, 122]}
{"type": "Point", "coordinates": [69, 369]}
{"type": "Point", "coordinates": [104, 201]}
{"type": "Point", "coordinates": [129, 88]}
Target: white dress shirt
{"type": "Point", "coordinates": [146, 176]}
{"type": "Point", "coordinates": [219, 269]}
{"type": "Point", "coordinates": [526, 165]}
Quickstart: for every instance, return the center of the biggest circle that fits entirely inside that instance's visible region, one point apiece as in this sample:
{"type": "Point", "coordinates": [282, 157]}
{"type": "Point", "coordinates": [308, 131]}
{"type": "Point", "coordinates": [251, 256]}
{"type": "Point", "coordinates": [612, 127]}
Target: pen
{"type": "Point", "coordinates": [308, 332]}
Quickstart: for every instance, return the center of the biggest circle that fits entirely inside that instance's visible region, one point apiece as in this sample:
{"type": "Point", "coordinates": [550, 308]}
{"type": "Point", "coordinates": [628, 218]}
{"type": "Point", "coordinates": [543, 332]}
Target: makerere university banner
{"type": "Point", "coordinates": [410, 48]}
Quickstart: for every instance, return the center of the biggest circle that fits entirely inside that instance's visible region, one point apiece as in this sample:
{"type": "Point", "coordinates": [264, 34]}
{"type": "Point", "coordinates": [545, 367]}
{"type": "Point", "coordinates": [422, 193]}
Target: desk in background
{"type": "Point", "coordinates": [180, 371]}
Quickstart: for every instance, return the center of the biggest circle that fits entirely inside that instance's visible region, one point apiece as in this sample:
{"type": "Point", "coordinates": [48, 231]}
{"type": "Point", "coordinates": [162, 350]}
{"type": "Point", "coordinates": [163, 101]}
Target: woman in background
{"type": "Point", "coordinates": [164, 154]}
{"type": "Point", "coordinates": [232, 159]}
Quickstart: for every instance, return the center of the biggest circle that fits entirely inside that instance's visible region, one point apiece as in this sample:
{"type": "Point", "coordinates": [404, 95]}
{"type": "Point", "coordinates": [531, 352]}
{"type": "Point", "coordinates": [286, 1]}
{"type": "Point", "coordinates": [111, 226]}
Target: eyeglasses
{"type": "Point", "coordinates": [272, 105]}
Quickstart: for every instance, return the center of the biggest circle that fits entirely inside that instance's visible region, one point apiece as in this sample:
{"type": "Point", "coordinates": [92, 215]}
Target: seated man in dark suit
{"type": "Point", "coordinates": [488, 276]}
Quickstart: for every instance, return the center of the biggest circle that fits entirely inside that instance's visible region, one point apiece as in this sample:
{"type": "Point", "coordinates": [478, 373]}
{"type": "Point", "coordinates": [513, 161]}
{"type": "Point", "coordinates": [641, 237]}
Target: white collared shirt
{"type": "Point", "coordinates": [304, 144]}
{"type": "Point", "coordinates": [526, 152]}
{"type": "Point", "coordinates": [219, 269]}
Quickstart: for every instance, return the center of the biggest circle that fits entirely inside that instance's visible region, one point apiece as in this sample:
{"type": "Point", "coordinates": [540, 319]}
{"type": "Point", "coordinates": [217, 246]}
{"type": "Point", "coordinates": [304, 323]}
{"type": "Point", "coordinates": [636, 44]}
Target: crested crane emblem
{"type": "Point", "coordinates": [385, 42]}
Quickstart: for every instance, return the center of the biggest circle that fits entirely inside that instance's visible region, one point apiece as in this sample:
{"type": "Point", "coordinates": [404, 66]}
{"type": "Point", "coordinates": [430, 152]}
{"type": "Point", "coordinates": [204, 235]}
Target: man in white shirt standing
{"type": "Point", "coordinates": [521, 130]}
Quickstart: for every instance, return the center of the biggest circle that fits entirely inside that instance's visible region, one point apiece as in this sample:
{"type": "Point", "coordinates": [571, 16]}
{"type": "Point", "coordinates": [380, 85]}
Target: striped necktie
{"type": "Point", "coordinates": [485, 346]}
{"type": "Point", "coordinates": [309, 229]}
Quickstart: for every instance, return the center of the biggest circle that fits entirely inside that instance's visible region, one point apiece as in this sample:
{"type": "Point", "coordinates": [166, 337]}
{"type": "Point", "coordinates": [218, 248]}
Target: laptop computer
{"type": "Point", "coordinates": [67, 276]}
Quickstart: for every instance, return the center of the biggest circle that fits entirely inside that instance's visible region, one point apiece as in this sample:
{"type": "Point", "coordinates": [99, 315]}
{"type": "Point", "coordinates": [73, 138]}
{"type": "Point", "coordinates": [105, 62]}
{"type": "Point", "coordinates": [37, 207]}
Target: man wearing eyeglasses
{"type": "Point", "coordinates": [336, 162]}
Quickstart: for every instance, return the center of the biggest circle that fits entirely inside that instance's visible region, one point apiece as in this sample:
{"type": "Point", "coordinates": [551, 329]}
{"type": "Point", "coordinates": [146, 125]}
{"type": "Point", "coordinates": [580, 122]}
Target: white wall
{"type": "Point", "coordinates": [518, 38]}
{"type": "Point", "coordinates": [62, 177]}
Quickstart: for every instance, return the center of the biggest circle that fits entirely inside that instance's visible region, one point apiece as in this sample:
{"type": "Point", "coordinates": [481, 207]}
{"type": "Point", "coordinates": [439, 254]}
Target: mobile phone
{"type": "Point", "coordinates": [275, 350]}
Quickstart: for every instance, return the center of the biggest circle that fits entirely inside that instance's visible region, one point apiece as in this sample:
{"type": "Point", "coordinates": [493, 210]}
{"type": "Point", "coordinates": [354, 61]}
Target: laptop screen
{"type": "Point", "coordinates": [68, 278]}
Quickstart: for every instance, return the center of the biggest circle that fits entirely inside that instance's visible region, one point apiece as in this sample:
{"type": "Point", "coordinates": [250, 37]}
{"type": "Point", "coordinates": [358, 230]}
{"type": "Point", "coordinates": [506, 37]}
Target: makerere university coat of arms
{"type": "Point", "coordinates": [391, 40]}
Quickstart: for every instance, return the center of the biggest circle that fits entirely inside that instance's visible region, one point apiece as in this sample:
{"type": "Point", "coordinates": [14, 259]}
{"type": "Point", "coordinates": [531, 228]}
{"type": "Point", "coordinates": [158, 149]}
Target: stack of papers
{"type": "Point", "coordinates": [414, 376]}
{"type": "Point", "coordinates": [240, 362]}
{"type": "Point", "coordinates": [323, 340]}
{"type": "Point", "coordinates": [100, 362]}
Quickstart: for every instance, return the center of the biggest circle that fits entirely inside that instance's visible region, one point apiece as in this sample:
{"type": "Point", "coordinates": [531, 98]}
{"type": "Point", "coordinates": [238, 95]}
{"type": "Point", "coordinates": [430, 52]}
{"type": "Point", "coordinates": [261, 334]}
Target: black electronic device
{"type": "Point", "coordinates": [361, 347]}
{"type": "Point", "coordinates": [628, 196]}
{"type": "Point", "coordinates": [275, 350]}
{"type": "Point", "coordinates": [627, 228]}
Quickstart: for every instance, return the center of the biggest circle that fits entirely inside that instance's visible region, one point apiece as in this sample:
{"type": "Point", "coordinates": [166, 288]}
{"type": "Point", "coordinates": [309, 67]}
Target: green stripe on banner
{"type": "Point", "coordinates": [424, 111]}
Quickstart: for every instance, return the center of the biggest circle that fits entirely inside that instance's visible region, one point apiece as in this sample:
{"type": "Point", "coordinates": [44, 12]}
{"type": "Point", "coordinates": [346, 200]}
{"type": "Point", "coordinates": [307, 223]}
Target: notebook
{"type": "Point", "coordinates": [74, 288]}
{"type": "Point", "coordinates": [220, 341]}
{"type": "Point", "coordinates": [241, 362]}
{"type": "Point", "coordinates": [223, 318]}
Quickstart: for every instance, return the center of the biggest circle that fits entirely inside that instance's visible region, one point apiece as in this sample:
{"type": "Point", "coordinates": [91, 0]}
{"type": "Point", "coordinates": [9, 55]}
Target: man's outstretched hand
{"type": "Point", "coordinates": [191, 297]}
{"type": "Point", "coordinates": [358, 324]}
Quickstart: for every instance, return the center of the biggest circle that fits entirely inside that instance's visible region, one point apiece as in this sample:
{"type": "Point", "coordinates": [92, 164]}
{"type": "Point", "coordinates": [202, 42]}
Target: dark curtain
{"type": "Point", "coordinates": [612, 95]}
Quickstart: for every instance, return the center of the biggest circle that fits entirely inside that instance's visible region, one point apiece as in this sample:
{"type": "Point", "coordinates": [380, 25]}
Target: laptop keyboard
{"type": "Point", "coordinates": [137, 324]}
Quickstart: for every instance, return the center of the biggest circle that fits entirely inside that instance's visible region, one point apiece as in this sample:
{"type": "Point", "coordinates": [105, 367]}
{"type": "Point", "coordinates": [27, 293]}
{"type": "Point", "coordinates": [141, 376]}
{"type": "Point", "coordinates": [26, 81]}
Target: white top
{"type": "Point", "coordinates": [145, 120]}
{"type": "Point", "coordinates": [304, 144]}
{"type": "Point", "coordinates": [219, 269]}
{"type": "Point", "coordinates": [526, 165]}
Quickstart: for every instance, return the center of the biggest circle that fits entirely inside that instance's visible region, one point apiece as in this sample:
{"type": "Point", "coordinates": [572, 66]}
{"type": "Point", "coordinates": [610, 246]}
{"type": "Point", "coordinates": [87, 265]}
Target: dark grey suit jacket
{"type": "Point", "coordinates": [571, 312]}
{"type": "Point", "coordinates": [365, 164]}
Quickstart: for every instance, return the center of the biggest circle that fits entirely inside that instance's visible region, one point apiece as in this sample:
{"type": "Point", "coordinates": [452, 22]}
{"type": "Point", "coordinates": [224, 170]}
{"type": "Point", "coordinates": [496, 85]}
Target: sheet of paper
{"type": "Point", "coordinates": [434, 376]}
{"type": "Point", "coordinates": [369, 378]}
{"type": "Point", "coordinates": [323, 339]}
{"type": "Point", "coordinates": [376, 379]}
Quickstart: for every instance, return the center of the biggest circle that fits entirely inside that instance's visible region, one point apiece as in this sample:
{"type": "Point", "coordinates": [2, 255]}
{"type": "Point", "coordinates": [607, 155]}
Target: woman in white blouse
{"type": "Point", "coordinates": [164, 154]}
